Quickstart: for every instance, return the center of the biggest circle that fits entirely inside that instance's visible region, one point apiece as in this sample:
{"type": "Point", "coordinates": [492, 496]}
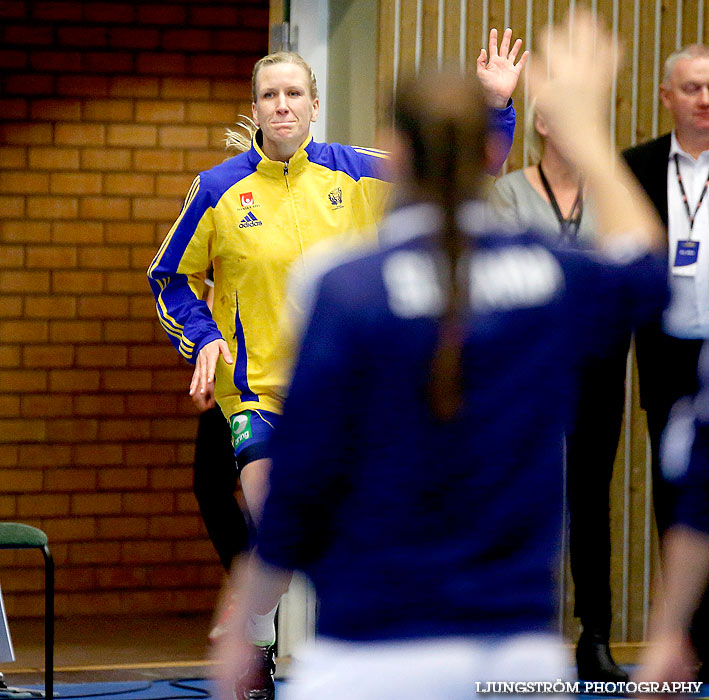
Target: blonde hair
{"type": "Point", "coordinates": [535, 145]}
{"type": "Point", "coordinates": [238, 141]}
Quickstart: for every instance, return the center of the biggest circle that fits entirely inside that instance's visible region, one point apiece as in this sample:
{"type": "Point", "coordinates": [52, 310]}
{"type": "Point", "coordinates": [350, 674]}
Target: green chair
{"type": "Point", "coordinates": [19, 536]}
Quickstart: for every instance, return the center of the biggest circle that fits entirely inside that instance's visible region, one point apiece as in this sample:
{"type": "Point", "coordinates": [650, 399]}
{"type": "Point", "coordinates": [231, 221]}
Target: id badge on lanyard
{"type": "Point", "coordinates": [687, 252]}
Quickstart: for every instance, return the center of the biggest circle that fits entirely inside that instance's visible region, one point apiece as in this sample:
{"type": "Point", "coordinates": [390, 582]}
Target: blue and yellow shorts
{"type": "Point", "coordinates": [251, 435]}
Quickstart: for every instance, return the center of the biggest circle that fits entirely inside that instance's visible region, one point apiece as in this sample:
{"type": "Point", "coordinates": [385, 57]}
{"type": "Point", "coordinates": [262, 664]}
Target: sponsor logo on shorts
{"type": "Point", "coordinates": [250, 220]}
{"type": "Point", "coordinates": [240, 427]}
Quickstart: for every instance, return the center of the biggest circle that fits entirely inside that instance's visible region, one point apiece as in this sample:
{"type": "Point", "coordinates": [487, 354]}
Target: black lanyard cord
{"type": "Point", "coordinates": [690, 216]}
{"type": "Point", "coordinates": [570, 225]}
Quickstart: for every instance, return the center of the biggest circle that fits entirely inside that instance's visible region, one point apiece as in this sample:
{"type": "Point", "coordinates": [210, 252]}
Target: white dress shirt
{"type": "Point", "coordinates": [687, 315]}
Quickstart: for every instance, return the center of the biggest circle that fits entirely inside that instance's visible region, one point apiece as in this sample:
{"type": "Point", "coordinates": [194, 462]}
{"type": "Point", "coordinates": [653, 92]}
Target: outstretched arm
{"type": "Point", "coordinates": [497, 70]}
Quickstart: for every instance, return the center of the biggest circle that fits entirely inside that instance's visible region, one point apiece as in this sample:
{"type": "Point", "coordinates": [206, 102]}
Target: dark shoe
{"type": "Point", "coordinates": [594, 660]}
{"type": "Point", "coordinates": [257, 682]}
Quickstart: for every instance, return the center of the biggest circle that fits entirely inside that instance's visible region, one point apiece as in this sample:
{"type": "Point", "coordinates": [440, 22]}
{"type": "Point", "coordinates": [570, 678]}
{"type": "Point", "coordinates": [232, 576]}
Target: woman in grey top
{"type": "Point", "coordinates": [549, 195]}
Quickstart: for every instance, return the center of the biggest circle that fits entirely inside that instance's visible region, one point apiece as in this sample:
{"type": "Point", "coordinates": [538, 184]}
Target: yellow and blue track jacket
{"type": "Point", "coordinates": [252, 218]}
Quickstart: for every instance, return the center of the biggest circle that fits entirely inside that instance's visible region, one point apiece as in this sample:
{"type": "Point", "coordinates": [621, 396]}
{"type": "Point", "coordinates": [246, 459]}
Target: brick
{"type": "Point", "coordinates": [67, 11]}
{"type": "Point", "coordinates": [20, 480]}
{"type": "Point", "coordinates": [148, 503]}
{"type": "Point", "coordinates": [168, 14]}
{"type": "Point", "coordinates": [20, 431]}
{"type": "Point", "coordinates": [54, 306]}
{"type": "Point", "coordinates": [28, 34]}
{"type": "Point", "coordinates": [75, 331]}
{"type": "Point", "coordinates": [151, 405]}
{"type": "Point", "coordinates": [13, 156]}
{"type": "Point", "coordinates": [108, 62]}
{"type": "Point", "coordinates": [12, 207]}
{"type": "Point", "coordinates": [150, 454]}
{"type": "Point", "coordinates": [75, 183]}
{"type": "Point", "coordinates": [24, 182]}
{"type": "Point", "coordinates": [99, 405]}
{"type": "Point", "coordinates": [164, 111]}
{"type": "Point", "coordinates": [129, 231]}
{"type": "Point", "coordinates": [12, 256]}
{"type": "Point", "coordinates": [77, 232]}
{"type": "Point", "coordinates": [24, 133]}
{"type": "Point", "coordinates": [24, 231]}
{"type": "Point", "coordinates": [249, 40]}
{"type": "Point", "coordinates": [48, 356]}
{"type": "Point", "coordinates": [13, 9]}
{"type": "Point", "coordinates": [161, 63]}
{"type": "Point", "coordinates": [183, 136]}
{"type": "Point", "coordinates": [9, 355]}
{"type": "Point", "coordinates": [21, 281]}
{"type": "Point", "coordinates": [175, 526]}
{"type": "Point", "coordinates": [96, 503]}
{"type": "Point", "coordinates": [39, 207]}
{"type": "Point", "coordinates": [122, 577]}
{"type": "Point", "coordinates": [40, 456]}
{"type": "Point", "coordinates": [158, 160]}
{"type": "Point", "coordinates": [104, 306]}
{"type": "Point", "coordinates": [55, 109]}
{"type": "Point", "coordinates": [8, 507]}
{"type": "Point", "coordinates": [212, 112]}
{"type": "Point", "coordinates": [76, 578]}
{"type": "Point", "coordinates": [98, 454]}
{"type": "Point", "coordinates": [129, 183]}
{"type": "Point", "coordinates": [9, 406]}
{"type": "Point", "coordinates": [83, 85]}
{"type": "Point", "coordinates": [142, 307]}
{"type": "Point", "coordinates": [132, 135]}
{"type": "Point", "coordinates": [77, 281]}
{"type": "Point", "coordinates": [134, 86]}
{"type": "Point", "coordinates": [175, 379]}
{"type": "Point", "coordinates": [105, 159]}
{"type": "Point", "coordinates": [124, 430]}
{"type": "Point", "coordinates": [53, 158]}
{"type": "Point", "coordinates": [25, 580]}
{"type": "Point", "coordinates": [57, 61]}
{"type": "Point", "coordinates": [126, 380]}
{"type": "Point", "coordinates": [141, 257]}
{"type": "Point", "coordinates": [83, 36]}
{"type": "Point", "coordinates": [8, 456]}
{"type": "Point", "coordinates": [42, 406]}
{"type": "Point", "coordinates": [134, 281]}
{"type": "Point", "coordinates": [194, 550]}
{"type": "Point", "coordinates": [215, 16]}
{"type": "Point", "coordinates": [113, 257]}
{"type": "Point", "coordinates": [70, 530]}
{"type": "Point", "coordinates": [13, 58]}
{"type": "Point", "coordinates": [124, 528]}
{"type": "Point", "coordinates": [102, 356]}
{"type": "Point", "coordinates": [51, 257]}
{"type": "Point", "coordinates": [197, 161]}
{"type": "Point", "coordinates": [145, 552]}
{"type": "Point", "coordinates": [134, 37]}
{"type": "Point", "coordinates": [174, 185]}
{"type": "Point", "coordinates": [45, 505]}
{"type": "Point", "coordinates": [70, 479]}
{"type": "Point", "coordinates": [191, 600]}
{"type": "Point", "coordinates": [173, 478]}
{"type": "Point", "coordinates": [156, 208]}
{"type": "Point", "coordinates": [78, 380]}
{"type": "Point", "coordinates": [231, 90]}
{"type": "Point", "coordinates": [108, 110]}
{"type": "Point", "coordinates": [25, 331]}
{"type": "Point", "coordinates": [71, 429]}
{"type": "Point", "coordinates": [29, 84]}
{"type": "Point", "coordinates": [72, 134]}
{"type": "Point", "coordinates": [104, 208]}
{"type": "Point", "coordinates": [94, 553]}
{"type": "Point", "coordinates": [13, 108]}
{"type": "Point", "coordinates": [186, 88]}
{"type": "Point", "coordinates": [123, 478]}
{"type": "Point", "coordinates": [187, 40]}
{"type": "Point", "coordinates": [109, 12]}
{"type": "Point", "coordinates": [220, 65]}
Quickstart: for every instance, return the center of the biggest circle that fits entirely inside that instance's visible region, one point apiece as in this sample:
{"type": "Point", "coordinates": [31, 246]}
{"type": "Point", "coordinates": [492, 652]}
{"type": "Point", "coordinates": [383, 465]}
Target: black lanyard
{"type": "Point", "coordinates": [570, 225]}
{"type": "Point", "coordinates": [690, 216]}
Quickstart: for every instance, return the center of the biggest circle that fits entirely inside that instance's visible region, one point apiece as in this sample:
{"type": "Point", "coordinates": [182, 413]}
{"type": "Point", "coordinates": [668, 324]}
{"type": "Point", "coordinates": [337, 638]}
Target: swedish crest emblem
{"type": "Point", "coordinates": [335, 197]}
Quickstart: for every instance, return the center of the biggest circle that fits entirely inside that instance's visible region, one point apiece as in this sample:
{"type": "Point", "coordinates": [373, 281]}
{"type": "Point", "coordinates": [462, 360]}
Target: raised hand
{"type": "Point", "coordinates": [498, 72]}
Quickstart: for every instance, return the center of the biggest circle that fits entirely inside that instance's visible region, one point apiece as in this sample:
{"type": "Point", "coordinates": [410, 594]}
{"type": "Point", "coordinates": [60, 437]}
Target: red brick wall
{"type": "Point", "coordinates": [107, 111]}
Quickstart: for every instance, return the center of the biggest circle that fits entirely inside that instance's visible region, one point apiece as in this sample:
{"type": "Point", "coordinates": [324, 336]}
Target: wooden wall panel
{"type": "Point", "coordinates": [649, 30]}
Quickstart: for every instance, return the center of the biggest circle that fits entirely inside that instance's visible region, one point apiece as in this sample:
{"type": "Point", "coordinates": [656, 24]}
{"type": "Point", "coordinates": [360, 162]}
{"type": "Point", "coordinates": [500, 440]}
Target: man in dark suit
{"type": "Point", "coordinates": [674, 171]}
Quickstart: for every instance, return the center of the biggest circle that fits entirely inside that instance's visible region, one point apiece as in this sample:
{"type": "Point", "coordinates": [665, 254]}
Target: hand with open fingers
{"type": "Point", "coordinates": [497, 71]}
{"type": "Point", "coordinates": [571, 78]}
{"type": "Point", "coordinates": [203, 376]}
